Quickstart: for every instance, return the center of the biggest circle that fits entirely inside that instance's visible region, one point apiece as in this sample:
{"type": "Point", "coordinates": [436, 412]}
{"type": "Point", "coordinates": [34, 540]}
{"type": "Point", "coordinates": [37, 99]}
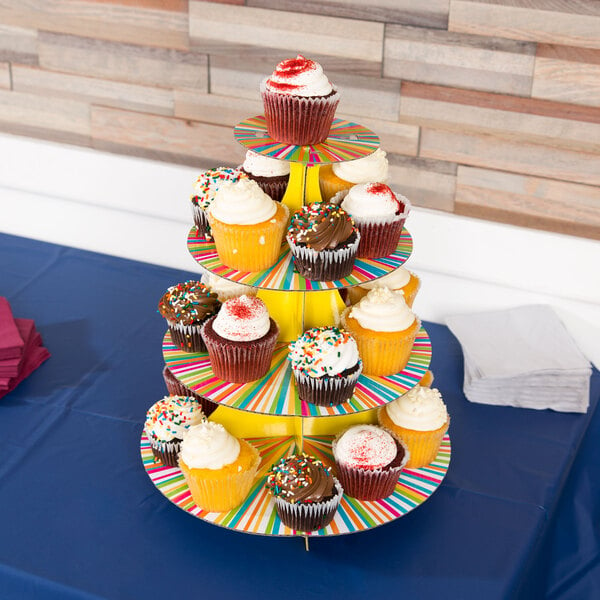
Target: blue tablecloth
{"type": "Point", "coordinates": [80, 518]}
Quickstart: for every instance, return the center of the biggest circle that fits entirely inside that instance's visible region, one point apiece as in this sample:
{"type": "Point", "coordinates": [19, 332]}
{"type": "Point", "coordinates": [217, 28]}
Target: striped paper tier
{"type": "Point", "coordinates": [283, 276]}
{"type": "Point", "coordinates": [346, 141]}
{"type": "Point", "coordinates": [257, 514]}
{"type": "Point", "coordinates": [276, 394]}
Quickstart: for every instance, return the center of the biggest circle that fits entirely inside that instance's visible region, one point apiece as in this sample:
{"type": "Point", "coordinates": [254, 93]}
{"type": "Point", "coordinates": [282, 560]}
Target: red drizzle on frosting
{"type": "Point", "coordinates": [244, 308]}
{"type": "Point", "coordinates": [385, 190]}
{"type": "Point", "coordinates": [294, 66]}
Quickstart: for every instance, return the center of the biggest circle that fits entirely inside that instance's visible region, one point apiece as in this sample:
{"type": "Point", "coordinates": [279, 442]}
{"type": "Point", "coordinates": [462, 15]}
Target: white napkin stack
{"type": "Point", "coordinates": [522, 357]}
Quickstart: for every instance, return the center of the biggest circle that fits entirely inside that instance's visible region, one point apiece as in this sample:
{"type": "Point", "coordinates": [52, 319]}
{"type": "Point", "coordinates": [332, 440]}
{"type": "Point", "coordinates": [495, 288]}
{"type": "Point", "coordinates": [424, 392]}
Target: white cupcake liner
{"type": "Point", "coordinates": [327, 390]}
{"type": "Point", "coordinates": [187, 338]}
{"type": "Point", "coordinates": [200, 220]}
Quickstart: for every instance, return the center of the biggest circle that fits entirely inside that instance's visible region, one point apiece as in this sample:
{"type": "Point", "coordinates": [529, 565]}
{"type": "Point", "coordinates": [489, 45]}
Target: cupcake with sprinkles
{"type": "Point", "coordinates": [323, 241]}
{"type": "Point", "coordinates": [326, 365]}
{"type": "Point", "coordinates": [205, 188]}
{"type": "Point", "coordinates": [306, 493]}
{"type": "Point", "coordinates": [186, 306]}
{"type": "Point", "coordinates": [167, 422]}
{"type": "Point", "coordinates": [369, 461]}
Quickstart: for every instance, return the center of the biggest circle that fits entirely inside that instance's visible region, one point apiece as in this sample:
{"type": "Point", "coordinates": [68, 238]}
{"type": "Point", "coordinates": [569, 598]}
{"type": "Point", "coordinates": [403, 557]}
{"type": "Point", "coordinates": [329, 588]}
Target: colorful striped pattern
{"type": "Point", "coordinates": [257, 514]}
{"type": "Point", "coordinates": [275, 394]}
{"type": "Point", "coordinates": [346, 141]}
{"type": "Point", "coordinates": [283, 276]}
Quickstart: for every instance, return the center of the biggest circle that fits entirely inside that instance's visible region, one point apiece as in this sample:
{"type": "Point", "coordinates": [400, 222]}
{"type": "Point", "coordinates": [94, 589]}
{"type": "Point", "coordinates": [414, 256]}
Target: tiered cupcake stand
{"type": "Point", "coordinates": [268, 412]}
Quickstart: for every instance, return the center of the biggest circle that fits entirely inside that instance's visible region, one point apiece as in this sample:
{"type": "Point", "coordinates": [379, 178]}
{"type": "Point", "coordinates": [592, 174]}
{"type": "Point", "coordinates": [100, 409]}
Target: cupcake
{"type": "Point", "coordinates": [368, 461]}
{"type": "Point", "coordinates": [176, 388]}
{"type": "Point", "coordinates": [384, 328]}
{"type": "Point", "coordinates": [399, 280]}
{"type": "Point", "coordinates": [379, 216]}
{"type": "Point", "coordinates": [247, 226]}
{"type": "Point", "coordinates": [325, 365]}
{"type": "Point", "coordinates": [420, 419]}
{"type": "Point", "coordinates": [241, 339]}
{"type": "Point", "coordinates": [343, 175]}
{"type": "Point", "coordinates": [299, 102]}
{"type": "Point", "coordinates": [323, 241]}
{"type": "Point", "coordinates": [218, 467]}
{"type": "Point", "coordinates": [186, 306]}
{"type": "Point", "coordinates": [205, 188]}
{"type": "Point", "coordinates": [271, 174]}
{"type": "Point", "coordinates": [306, 493]}
{"type": "Point", "coordinates": [167, 421]}
{"type": "Point", "coordinates": [226, 289]}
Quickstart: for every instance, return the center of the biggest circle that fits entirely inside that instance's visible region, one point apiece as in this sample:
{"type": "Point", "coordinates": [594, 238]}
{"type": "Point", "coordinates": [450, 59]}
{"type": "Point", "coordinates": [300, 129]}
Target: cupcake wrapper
{"type": "Point", "coordinates": [187, 338]}
{"type": "Point", "coordinates": [165, 452]}
{"type": "Point", "coordinates": [200, 221]}
{"type": "Point", "coordinates": [326, 390]}
{"type": "Point", "coordinates": [309, 517]}
{"type": "Point", "coordinates": [176, 388]}
{"type": "Point", "coordinates": [330, 185]}
{"type": "Point", "coordinates": [274, 187]}
{"type": "Point", "coordinates": [240, 362]}
{"type": "Point", "coordinates": [327, 265]}
{"type": "Point", "coordinates": [357, 292]}
{"type": "Point", "coordinates": [378, 239]}
{"type": "Point", "coordinates": [298, 120]}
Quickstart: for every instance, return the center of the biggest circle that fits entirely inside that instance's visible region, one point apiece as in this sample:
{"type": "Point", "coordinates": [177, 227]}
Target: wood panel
{"type": "Point", "coordinates": [433, 13]}
{"type": "Point", "coordinates": [396, 138]}
{"type": "Point", "coordinates": [529, 201]}
{"type": "Point", "coordinates": [568, 22]}
{"type": "Point", "coordinates": [567, 74]}
{"type": "Point", "coordinates": [458, 60]}
{"type": "Point", "coordinates": [93, 90]}
{"type": "Point", "coordinates": [295, 32]}
{"type": "Point", "coordinates": [518, 119]}
{"type": "Point", "coordinates": [183, 141]}
{"type": "Point", "coordinates": [122, 23]}
{"type": "Point", "coordinates": [499, 154]}
{"type": "Point", "coordinates": [5, 76]}
{"type": "Point", "coordinates": [123, 62]}
{"type": "Point", "coordinates": [18, 44]}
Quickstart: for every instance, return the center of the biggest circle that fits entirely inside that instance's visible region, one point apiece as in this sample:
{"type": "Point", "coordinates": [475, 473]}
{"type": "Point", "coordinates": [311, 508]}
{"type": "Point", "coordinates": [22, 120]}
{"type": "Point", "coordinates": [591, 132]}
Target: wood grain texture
{"type": "Point", "coordinates": [164, 138]}
{"type": "Point", "coordinates": [567, 74]}
{"type": "Point", "coordinates": [517, 119]}
{"type": "Point", "coordinates": [93, 90]}
{"type": "Point", "coordinates": [567, 22]}
{"type": "Point", "coordinates": [458, 60]}
{"type": "Point", "coordinates": [505, 155]}
{"type": "Point", "coordinates": [116, 22]}
{"type": "Point", "coordinates": [295, 32]}
{"type": "Point", "coordinates": [18, 44]}
{"type": "Point", "coordinates": [529, 201]}
{"type": "Point", "coordinates": [4, 76]}
{"type": "Point", "coordinates": [426, 183]}
{"type": "Point", "coordinates": [396, 138]}
{"type": "Point", "coordinates": [158, 67]}
{"type": "Point", "coordinates": [433, 13]}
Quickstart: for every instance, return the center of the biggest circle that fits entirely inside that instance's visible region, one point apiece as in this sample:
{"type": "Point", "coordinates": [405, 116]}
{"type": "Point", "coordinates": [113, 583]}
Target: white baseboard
{"type": "Point", "coordinates": [139, 209]}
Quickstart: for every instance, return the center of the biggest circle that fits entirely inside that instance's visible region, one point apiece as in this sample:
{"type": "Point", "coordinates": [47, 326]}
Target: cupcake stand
{"type": "Point", "coordinates": [268, 412]}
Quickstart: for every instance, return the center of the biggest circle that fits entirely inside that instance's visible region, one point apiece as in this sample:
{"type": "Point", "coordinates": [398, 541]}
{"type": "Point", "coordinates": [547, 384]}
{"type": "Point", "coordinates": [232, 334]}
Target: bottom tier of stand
{"type": "Point", "coordinates": [257, 514]}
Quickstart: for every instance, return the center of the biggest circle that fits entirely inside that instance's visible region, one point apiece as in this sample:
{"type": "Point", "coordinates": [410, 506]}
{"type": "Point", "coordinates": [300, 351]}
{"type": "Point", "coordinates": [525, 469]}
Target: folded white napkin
{"type": "Point", "coordinates": [522, 357]}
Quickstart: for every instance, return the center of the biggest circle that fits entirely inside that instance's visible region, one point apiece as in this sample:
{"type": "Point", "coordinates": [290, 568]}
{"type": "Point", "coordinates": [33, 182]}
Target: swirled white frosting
{"type": "Point", "coordinates": [300, 77]}
{"type": "Point", "coordinates": [242, 319]}
{"type": "Point", "coordinates": [367, 200]}
{"type": "Point", "coordinates": [383, 310]}
{"type": "Point", "coordinates": [373, 167]}
{"type": "Point", "coordinates": [366, 447]}
{"type": "Point", "coordinates": [421, 409]}
{"type": "Point", "coordinates": [209, 445]}
{"type": "Point", "coordinates": [226, 289]}
{"type": "Point", "coordinates": [242, 203]}
{"type": "Point", "coordinates": [264, 166]}
{"type": "Point", "coordinates": [170, 418]}
{"type": "Point", "coordinates": [323, 351]}
{"type": "Point", "coordinates": [395, 280]}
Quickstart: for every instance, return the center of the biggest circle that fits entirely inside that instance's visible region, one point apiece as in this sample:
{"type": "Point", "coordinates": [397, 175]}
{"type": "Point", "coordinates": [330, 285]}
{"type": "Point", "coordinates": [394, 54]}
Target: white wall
{"type": "Point", "coordinates": [139, 209]}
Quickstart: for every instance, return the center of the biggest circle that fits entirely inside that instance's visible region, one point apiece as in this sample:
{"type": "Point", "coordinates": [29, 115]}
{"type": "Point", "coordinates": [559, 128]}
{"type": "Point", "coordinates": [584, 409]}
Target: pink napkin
{"type": "Point", "coordinates": [11, 343]}
{"type": "Point", "coordinates": [32, 361]}
{"type": "Point", "coordinates": [10, 367]}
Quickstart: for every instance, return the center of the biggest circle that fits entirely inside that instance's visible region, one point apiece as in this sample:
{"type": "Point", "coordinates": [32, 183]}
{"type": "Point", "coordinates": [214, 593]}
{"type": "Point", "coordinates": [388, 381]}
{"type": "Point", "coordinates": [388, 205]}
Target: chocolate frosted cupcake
{"type": "Point", "coordinates": [271, 174]}
{"type": "Point", "coordinates": [205, 188]}
{"type": "Point", "coordinates": [326, 365]}
{"type": "Point", "coordinates": [186, 306]}
{"type": "Point", "coordinates": [240, 340]}
{"type": "Point", "coordinates": [306, 493]}
{"type": "Point", "coordinates": [299, 102]}
{"type": "Point", "coordinates": [323, 241]}
{"type": "Point", "coordinates": [176, 388]}
{"type": "Point", "coordinates": [167, 421]}
{"type": "Point", "coordinates": [369, 461]}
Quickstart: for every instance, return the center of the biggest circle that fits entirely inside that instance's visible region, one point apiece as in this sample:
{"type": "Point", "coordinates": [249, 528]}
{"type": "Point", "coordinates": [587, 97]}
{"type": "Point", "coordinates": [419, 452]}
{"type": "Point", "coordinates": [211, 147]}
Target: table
{"type": "Point", "coordinates": [80, 518]}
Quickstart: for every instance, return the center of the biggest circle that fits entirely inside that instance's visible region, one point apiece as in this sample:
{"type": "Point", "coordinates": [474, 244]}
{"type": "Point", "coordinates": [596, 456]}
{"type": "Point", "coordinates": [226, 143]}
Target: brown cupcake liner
{"type": "Point", "coordinates": [240, 362]}
{"type": "Point", "coordinates": [200, 221]}
{"type": "Point", "coordinates": [274, 187]}
{"type": "Point", "coordinates": [298, 120]}
{"type": "Point", "coordinates": [176, 388]}
{"type": "Point", "coordinates": [165, 452]}
{"type": "Point", "coordinates": [309, 517]}
{"type": "Point", "coordinates": [378, 239]}
{"type": "Point", "coordinates": [187, 338]}
{"type": "Point", "coordinates": [327, 390]}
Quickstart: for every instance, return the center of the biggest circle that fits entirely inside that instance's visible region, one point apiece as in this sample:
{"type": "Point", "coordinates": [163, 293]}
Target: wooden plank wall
{"type": "Point", "coordinates": [487, 108]}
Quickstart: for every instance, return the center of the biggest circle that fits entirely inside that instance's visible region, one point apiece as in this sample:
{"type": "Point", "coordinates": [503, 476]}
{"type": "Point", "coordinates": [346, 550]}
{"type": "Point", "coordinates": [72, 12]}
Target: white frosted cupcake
{"type": "Point", "coordinates": [399, 280]}
{"type": "Point", "coordinates": [271, 174]}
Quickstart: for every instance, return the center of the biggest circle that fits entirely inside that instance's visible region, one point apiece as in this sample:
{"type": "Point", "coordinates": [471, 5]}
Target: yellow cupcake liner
{"type": "Point", "coordinates": [330, 183]}
{"type": "Point", "coordinates": [410, 290]}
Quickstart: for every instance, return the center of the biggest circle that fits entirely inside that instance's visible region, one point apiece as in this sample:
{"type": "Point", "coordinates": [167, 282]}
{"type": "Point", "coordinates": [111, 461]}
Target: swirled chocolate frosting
{"type": "Point", "coordinates": [321, 226]}
{"type": "Point", "coordinates": [301, 479]}
{"type": "Point", "coordinates": [188, 303]}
